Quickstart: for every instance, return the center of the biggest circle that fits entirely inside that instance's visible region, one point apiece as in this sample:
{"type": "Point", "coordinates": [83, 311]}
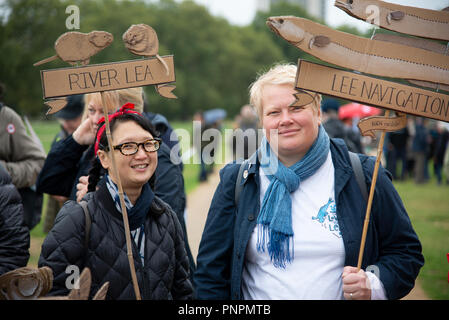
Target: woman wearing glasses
{"type": "Point", "coordinates": [160, 258]}
{"type": "Point", "coordinates": [69, 160]}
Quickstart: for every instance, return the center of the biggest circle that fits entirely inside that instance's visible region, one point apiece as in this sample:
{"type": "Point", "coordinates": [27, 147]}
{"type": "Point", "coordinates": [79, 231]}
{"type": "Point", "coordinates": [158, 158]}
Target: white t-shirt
{"type": "Point", "coordinates": [319, 252]}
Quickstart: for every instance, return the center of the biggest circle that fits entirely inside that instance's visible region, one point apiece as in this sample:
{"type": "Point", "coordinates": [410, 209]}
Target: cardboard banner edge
{"type": "Point", "coordinates": [304, 70]}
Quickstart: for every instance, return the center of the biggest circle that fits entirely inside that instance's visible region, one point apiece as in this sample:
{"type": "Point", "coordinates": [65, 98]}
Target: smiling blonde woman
{"type": "Point", "coordinates": [295, 231]}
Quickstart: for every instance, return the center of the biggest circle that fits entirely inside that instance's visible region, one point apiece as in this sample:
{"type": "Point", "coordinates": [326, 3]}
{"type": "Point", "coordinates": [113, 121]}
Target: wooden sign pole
{"type": "Point", "coordinates": [122, 202]}
{"type": "Point", "coordinates": [75, 48]}
{"type": "Point", "coordinates": [371, 195]}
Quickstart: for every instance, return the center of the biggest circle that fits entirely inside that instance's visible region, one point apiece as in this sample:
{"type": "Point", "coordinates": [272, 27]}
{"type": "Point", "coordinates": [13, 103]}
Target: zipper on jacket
{"type": "Point", "coordinates": [143, 286]}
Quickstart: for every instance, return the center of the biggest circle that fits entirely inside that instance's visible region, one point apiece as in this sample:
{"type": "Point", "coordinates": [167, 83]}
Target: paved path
{"type": "Point", "coordinates": [198, 203]}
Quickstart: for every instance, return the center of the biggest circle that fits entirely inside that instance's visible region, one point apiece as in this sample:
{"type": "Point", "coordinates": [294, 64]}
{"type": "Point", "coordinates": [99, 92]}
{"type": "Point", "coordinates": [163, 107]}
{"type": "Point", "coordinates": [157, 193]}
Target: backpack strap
{"type": "Point", "coordinates": [238, 183]}
{"type": "Point", "coordinates": [355, 163]}
{"type": "Point", "coordinates": [359, 175]}
{"type": "Point", "coordinates": [83, 204]}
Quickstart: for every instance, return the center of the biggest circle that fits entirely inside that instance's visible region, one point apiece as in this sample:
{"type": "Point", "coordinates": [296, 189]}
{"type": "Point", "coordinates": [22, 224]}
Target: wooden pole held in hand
{"type": "Point", "coordinates": [122, 203]}
{"type": "Point", "coordinates": [371, 195]}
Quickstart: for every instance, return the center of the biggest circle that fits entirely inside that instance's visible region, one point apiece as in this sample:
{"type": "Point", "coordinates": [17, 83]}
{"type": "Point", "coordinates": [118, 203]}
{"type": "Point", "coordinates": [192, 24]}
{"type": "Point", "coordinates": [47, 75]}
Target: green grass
{"type": "Point", "coordinates": [191, 170]}
{"type": "Point", "coordinates": [428, 208]}
{"type": "Point", "coordinates": [46, 131]}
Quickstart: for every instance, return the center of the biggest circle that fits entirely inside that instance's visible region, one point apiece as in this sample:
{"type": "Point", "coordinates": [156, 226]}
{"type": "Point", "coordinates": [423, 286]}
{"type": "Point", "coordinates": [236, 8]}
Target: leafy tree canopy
{"type": "Point", "coordinates": [215, 62]}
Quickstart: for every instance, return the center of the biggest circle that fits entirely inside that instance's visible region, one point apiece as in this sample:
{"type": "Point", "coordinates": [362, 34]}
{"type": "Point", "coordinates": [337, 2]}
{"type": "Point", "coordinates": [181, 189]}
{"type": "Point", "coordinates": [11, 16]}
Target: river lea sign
{"type": "Point", "coordinates": [103, 77]}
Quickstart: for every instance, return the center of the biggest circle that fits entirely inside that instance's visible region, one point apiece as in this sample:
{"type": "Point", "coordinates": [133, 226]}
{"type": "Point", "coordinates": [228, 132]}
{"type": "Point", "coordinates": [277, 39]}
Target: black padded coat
{"type": "Point", "coordinates": [14, 234]}
{"type": "Point", "coordinates": [165, 274]}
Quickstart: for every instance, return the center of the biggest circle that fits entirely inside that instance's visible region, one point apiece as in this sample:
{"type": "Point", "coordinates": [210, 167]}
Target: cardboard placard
{"type": "Point", "coordinates": [372, 91]}
{"type": "Point", "coordinates": [405, 19]}
{"type": "Point", "coordinates": [109, 76]}
{"type": "Point", "coordinates": [425, 44]}
{"type": "Point", "coordinates": [369, 125]}
{"type": "Point", "coordinates": [374, 57]}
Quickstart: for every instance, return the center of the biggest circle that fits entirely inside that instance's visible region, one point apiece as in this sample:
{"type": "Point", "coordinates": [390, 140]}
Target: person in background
{"type": "Point", "coordinates": [409, 149]}
{"type": "Point", "coordinates": [69, 118]}
{"type": "Point", "coordinates": [211, 125]}
{"type": "Point", "coordinates": [295, 231]}
{"type": "Point", "coordinates": [198, 118]}
{"type": "Point", "coordinates": [245, 137]}
{"type": "Point", "coordinates": [397, 150]}
{"type": "Point", "coordinates": [440, 150]}
{"type": "Point", "coordinates": [446, 160]}
{"type": "Point", "coordinates": [70, 158]}
{"type": "Point", "coordinates": [14, 234]}
{"type": "Point", "coordinates": [19, 154]}
{"type": "Point", "coordinates": [420, 145]}
{"type": "Point", "coordinates": [353, 135]}
{"type": "Point", "coordinates": [22, 157]}
{"type": "Point", "coordinates": [160, 259]}
{"type": "Point", "coordinates": [162, 125]}
{"type": "Point", "coordinates": [334, 127]}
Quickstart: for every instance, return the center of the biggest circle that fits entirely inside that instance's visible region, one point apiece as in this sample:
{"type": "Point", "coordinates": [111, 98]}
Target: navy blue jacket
{"type": "Point", "coordinates": [391, 243]}
{"type": "Point", "coordinates": [14, 234]}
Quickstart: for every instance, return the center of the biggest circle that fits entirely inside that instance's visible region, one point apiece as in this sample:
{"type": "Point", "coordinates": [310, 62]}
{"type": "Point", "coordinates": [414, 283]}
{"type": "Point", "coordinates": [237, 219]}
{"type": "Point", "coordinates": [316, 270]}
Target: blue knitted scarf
{"type": "Point", "coordinates": [137, 212]}
{"type": "Point", "coordinates": [275, 230]}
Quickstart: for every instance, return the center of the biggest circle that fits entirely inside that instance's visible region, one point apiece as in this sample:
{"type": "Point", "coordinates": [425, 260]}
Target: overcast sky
{"type": "Point", "coordinates": [241, 12]}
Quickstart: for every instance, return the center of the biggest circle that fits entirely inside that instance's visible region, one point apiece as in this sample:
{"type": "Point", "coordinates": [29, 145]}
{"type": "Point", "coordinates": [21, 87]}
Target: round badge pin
{"type": "Point", "coordinates": [10, 128]}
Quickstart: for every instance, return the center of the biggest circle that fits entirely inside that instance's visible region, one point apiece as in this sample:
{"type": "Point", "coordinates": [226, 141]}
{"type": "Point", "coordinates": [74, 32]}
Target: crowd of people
{"type": "Point", "coordinates": [292, 231]}
{"type": "Point", "coordinates": [415, 151]}
{"type": "Point", "coordinates": [421, 148]}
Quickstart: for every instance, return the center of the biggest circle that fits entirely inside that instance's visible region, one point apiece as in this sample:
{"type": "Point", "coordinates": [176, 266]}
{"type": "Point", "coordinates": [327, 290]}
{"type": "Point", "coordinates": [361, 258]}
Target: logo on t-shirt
{"type": "Point", "coordinates": [327, 217]}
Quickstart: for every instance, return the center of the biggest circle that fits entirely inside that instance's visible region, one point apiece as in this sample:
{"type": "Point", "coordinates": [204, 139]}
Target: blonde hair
{"type": "Point", "coordinates": [133, 95]}
{"type": "Point", "coordinates": [279, 74]}
{"type": "Point", "coordinates": [111, 99]}
{"type": "Point", "coordinates": [115, 99]}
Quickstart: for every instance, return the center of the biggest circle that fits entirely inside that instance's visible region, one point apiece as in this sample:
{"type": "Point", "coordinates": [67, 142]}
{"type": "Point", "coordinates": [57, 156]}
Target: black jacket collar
{"type": "Point", "coordinates": [105, 201]}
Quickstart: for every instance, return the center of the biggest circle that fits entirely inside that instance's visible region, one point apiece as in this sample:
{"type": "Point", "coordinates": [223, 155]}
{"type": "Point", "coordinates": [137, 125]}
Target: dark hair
{"type": "Point", "coordinates": [97, 170]}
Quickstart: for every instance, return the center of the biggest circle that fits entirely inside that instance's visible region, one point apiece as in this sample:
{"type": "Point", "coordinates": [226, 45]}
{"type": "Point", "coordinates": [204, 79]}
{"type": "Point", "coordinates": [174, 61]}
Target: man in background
{"type": "Point", "coordinates": [335, 128]}
{"type": "Point", "coordinates": [69, 118]}
{"type": "Point", "coordinates": [21, 156]}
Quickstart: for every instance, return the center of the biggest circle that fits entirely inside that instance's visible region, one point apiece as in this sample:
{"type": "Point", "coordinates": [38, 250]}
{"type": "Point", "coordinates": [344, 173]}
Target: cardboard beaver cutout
{"type": "Point", "coordinates": [77, 47]}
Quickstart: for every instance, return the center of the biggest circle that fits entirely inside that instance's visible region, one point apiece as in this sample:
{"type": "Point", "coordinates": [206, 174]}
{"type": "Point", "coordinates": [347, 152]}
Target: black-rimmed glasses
{"type": "Point", "coordinates": [130, 148]}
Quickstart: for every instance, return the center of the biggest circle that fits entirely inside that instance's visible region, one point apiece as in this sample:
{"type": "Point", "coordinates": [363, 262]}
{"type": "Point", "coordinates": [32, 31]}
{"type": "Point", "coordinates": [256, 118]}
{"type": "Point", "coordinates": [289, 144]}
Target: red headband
{"type": "Point", "coordinates": [126, 108]}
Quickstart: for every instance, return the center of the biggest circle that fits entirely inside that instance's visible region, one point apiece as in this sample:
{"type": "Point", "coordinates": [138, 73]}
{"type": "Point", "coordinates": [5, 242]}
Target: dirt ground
{"type": "Point", "coordinates": [198, 202]}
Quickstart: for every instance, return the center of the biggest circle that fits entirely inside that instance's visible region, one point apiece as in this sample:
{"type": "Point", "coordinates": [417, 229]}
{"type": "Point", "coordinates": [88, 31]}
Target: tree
{"type": "Point", "coordinates": [291, 53]}
{"type": "Point", "coordinates": [26, 37]}
{"type": "Point", "coordinates": [214, 61]}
